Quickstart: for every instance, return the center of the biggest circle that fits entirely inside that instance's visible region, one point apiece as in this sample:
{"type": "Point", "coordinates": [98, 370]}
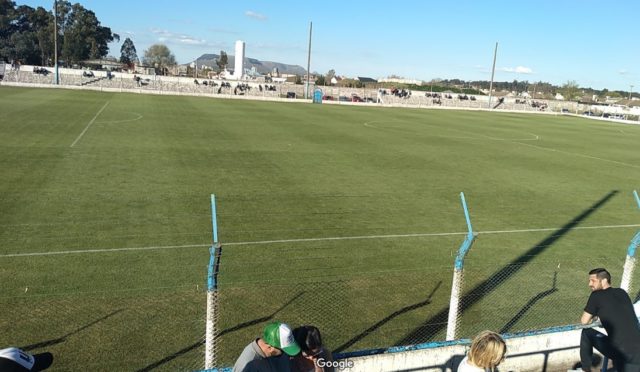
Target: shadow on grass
{"type": "Point", "coordinates": [171, 357]}
{"type": "Point", "coordinates": [194, 346]}
{"type": "Point", "coordinates": [438, 322]}
{"type": "Point", "coordinates": [260, 320]}
{"type": "Point", "coordinates": [530, 304]}
{"type": "Point", "coordinates": [61, 339]}
{"type": "Point", "coordinates": [387, 319]}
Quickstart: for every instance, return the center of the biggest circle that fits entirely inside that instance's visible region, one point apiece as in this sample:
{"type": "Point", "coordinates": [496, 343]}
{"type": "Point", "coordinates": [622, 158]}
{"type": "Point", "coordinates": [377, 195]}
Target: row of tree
{"type": "Point", "coordinates": [27, 34]}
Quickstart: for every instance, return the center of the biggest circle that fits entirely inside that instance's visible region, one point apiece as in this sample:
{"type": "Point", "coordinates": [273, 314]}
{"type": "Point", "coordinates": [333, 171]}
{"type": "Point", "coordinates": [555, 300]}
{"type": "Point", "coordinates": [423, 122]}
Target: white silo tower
{"type": "Point", "coordinates": [239, 62]}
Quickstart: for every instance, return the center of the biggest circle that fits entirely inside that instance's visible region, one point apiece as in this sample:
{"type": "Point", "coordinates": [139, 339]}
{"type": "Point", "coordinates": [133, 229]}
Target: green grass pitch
{"type": "Point", "coordinates": [346, 217]}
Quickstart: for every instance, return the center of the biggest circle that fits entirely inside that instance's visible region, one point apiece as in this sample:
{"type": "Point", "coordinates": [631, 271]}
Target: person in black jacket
{"type": "Point", "coordinates": [614, 309]}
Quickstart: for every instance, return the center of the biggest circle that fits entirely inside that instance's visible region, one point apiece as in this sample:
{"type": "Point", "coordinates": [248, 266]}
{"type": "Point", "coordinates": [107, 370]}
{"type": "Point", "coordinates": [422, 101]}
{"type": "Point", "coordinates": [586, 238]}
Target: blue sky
{"type": "Point", "coordinates": [595, 43]}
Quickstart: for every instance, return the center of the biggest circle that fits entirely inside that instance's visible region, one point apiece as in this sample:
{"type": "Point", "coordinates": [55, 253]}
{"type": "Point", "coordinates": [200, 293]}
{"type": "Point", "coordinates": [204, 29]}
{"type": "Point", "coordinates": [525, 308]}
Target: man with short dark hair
{"type": "Point", "coordinates": [269, 353]}
{"type": "Point", "coordinates": [615, 310]}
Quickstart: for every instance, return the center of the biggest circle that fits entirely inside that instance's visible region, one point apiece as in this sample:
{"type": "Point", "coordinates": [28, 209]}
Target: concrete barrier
{"type": "Point", "coordinates": [552, 349]}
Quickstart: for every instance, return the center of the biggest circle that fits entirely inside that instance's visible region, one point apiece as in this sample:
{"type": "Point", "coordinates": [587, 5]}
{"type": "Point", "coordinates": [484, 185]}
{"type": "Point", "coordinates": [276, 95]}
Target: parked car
{"type": "Point", "coordinates": [356, 98]}
{"type": "Point", "coordinates": [291, 94]}
{"type": "Point", "coordinates": [327, 98]}
{"type": "Point", "coordinates": [565, 111]}
{"type": "Point", "coordinates": [344, 99]}
{"type": "Point", "coordinates": [589, 113]}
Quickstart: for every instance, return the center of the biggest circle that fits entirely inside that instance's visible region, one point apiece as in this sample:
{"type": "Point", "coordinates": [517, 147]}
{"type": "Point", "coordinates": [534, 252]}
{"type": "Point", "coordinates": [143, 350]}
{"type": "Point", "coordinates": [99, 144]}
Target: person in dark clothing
{"type": "Point", "coordinates": [614, 309]}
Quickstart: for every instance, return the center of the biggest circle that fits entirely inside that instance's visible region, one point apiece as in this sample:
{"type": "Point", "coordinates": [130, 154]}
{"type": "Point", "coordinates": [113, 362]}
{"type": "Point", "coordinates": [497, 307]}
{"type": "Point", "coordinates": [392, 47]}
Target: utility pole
{"type": "Point", "coordinates": [55, 41]}
{"type": "Point", "coordinates": [309, 61]}
{"type": "Point", "coordinates": [630, 91]}
{"type": "Point", "coordinates": [493, 70]}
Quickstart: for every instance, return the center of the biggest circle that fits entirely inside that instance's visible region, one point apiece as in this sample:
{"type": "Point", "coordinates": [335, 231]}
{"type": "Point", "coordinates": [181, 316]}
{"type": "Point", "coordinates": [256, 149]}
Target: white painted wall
{"type": "Point", "coordinates": [557, 351]}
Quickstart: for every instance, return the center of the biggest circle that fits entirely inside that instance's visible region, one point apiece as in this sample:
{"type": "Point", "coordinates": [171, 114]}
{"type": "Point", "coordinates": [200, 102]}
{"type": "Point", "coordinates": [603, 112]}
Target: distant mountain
{"type": "Point", "coordinates": [263, 67]}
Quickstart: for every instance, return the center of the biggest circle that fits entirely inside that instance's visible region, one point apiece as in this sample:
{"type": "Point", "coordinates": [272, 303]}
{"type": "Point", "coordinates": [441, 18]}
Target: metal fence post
{"type": "Point", "coordinates": [630, 261]}
{"type": "Point", "coordinates": [212, 293]}
{"type": "Point", "coordinates": [456, 287]}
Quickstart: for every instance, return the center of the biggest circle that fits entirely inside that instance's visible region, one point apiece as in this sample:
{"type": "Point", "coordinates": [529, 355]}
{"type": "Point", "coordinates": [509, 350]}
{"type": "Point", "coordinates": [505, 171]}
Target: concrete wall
{"type": "Point", "coordinates": [550, 350]}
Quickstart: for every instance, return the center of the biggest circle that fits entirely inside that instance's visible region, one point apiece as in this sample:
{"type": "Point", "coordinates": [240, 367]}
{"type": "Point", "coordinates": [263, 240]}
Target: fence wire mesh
{"type": "Point", "coordinates": [137, 330]}
{"type": "Point", "coordinates": [353, 314]}
{"type": "Point", "coordinates": [634, 287]}
{"type": "Point", "coordinates": [526, 296]}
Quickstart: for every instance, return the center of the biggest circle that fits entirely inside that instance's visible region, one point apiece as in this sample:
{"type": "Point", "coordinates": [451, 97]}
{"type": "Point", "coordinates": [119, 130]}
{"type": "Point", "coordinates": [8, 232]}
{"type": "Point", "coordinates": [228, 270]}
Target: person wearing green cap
{"type": "Point", "coordinates": [269, 353]}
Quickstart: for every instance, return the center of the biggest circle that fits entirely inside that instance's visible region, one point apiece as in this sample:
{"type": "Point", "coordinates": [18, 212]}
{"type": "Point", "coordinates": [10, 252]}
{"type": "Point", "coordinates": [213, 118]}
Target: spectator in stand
{"type": "Point", "coordinates": [487, 351]}
{"type": "Point", "coordinates": [15, 360]}
{"type": "Point", "coordinates": [269, 353]}
{"type": "Point", "coordinates": [310, 342]}
{"type": "Point", "coordinates": [615, 310]}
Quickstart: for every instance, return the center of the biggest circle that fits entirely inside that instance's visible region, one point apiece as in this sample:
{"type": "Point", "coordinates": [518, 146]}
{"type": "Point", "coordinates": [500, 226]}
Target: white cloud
{"type": "Point", "coordinates": [185, 39]}
{"type": "Point", "coordinates": [254, 15]}
{"type": "Point", "coordinates": [623, 72]}
{"type": "Point", "coordinates": [517, 70]}
{"type": "Point", "coordinates": [169, 37]}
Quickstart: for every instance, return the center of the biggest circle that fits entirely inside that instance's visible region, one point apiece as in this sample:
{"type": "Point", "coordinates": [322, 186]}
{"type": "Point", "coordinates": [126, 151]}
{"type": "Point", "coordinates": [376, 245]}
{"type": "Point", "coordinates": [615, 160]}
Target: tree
{"type": "Point", "coordinates": [222, 61]}
{"type": "Point", "coordinates": [128, 53]}
{"type": "Point", "coordinates": [320, 80]}
{"type": "Point", "coordinates": [160, 57]}
{"type": "Point", "coordinates": [330, 75]}
{"type": "Point", "coordinates": [570, 90]}
{"type": "Point", "coordinates": [298, 80]}
{"type": "Point", "coordinates": [26, 34]}
{"type": "Point", "coordinates": [83, 36]}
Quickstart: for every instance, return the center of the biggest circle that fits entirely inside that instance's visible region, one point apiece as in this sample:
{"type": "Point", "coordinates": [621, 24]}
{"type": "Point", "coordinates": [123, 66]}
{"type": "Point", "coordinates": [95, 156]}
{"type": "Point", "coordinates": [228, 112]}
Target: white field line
{"type": "Point", "coordinates": [248, 243]}
{"type": "Point", "coordinates": [578, 154]}
{"type": "Point", "coordinates": [88, 125]}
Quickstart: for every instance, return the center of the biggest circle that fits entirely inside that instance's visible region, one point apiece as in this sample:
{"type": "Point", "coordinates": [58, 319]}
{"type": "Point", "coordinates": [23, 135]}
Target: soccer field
{"type": "Point", "coordinates": [347, 217]}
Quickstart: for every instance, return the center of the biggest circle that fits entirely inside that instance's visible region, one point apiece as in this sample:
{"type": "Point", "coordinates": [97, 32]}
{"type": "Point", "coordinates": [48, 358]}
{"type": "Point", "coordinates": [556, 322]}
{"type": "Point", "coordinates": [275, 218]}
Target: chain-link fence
{"type": "Point", "coordinates": [364, 312]}
{"type": "Point", "coordinates": [525, 296]}
{"type": "Point", "coordinates": [136, 330]}
{"type": "Point", "coordinates": [520, 289]}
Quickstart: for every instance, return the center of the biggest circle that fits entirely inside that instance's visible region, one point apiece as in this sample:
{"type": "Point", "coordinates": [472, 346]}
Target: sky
{"type": "Point", "coordinates": [595, 43]}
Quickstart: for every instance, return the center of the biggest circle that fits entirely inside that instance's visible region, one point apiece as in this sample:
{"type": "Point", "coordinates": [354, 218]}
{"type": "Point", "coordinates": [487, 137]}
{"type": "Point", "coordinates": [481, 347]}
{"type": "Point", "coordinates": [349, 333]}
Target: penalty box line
{"type": "Point", "coordinates": [302, 240]}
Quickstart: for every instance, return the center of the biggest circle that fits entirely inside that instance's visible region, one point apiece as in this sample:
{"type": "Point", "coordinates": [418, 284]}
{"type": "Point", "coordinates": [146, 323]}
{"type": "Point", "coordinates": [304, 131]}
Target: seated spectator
{"type": "Point", "coordinates": [615, 310]}
{"type": "Point", "coordinates": [487, 351]}
{"type": "Point", "coordinates": [15, 360]}
{"type": "Point", "coordinates": [269, 353]}
{"type": "Point", "coordinates": [310, 342]}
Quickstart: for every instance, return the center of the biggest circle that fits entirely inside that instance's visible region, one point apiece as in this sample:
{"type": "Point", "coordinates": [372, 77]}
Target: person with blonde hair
{"type": "Point", "coordinates": [487, 352]}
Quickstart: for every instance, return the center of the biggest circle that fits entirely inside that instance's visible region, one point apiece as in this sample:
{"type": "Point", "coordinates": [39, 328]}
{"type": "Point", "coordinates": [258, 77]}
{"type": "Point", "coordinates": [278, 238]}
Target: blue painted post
{"type": "Point", "coordinates": [212, 291]}
{"type": "Point", "coordinates": [456, 287]}
{"type": "Point", "coordinates": [630, 261]}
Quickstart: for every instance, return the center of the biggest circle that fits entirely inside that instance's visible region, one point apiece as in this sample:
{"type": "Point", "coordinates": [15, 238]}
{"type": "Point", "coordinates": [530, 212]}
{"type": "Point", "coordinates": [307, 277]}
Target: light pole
{"type": "Point", "coordinates": [55, 41]}
{"type": "Point", "coordinates": [630, 91]}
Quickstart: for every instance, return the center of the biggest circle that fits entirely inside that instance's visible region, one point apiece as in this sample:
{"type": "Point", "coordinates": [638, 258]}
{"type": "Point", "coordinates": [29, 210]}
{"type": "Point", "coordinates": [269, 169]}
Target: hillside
{"type": "Point", "coordinates": [262, 67]}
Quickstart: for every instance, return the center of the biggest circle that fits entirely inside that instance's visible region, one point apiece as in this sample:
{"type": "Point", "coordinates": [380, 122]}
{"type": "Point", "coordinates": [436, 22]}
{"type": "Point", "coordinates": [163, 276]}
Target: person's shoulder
{"type": "Point", "coordinates": [466, 366]}
{"type": "Point", "coordinates": [618, 291]}
{"type": "Point", "coordinates": [612, 292]}
{"type": "Point", "coordinates": [248, 355]}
